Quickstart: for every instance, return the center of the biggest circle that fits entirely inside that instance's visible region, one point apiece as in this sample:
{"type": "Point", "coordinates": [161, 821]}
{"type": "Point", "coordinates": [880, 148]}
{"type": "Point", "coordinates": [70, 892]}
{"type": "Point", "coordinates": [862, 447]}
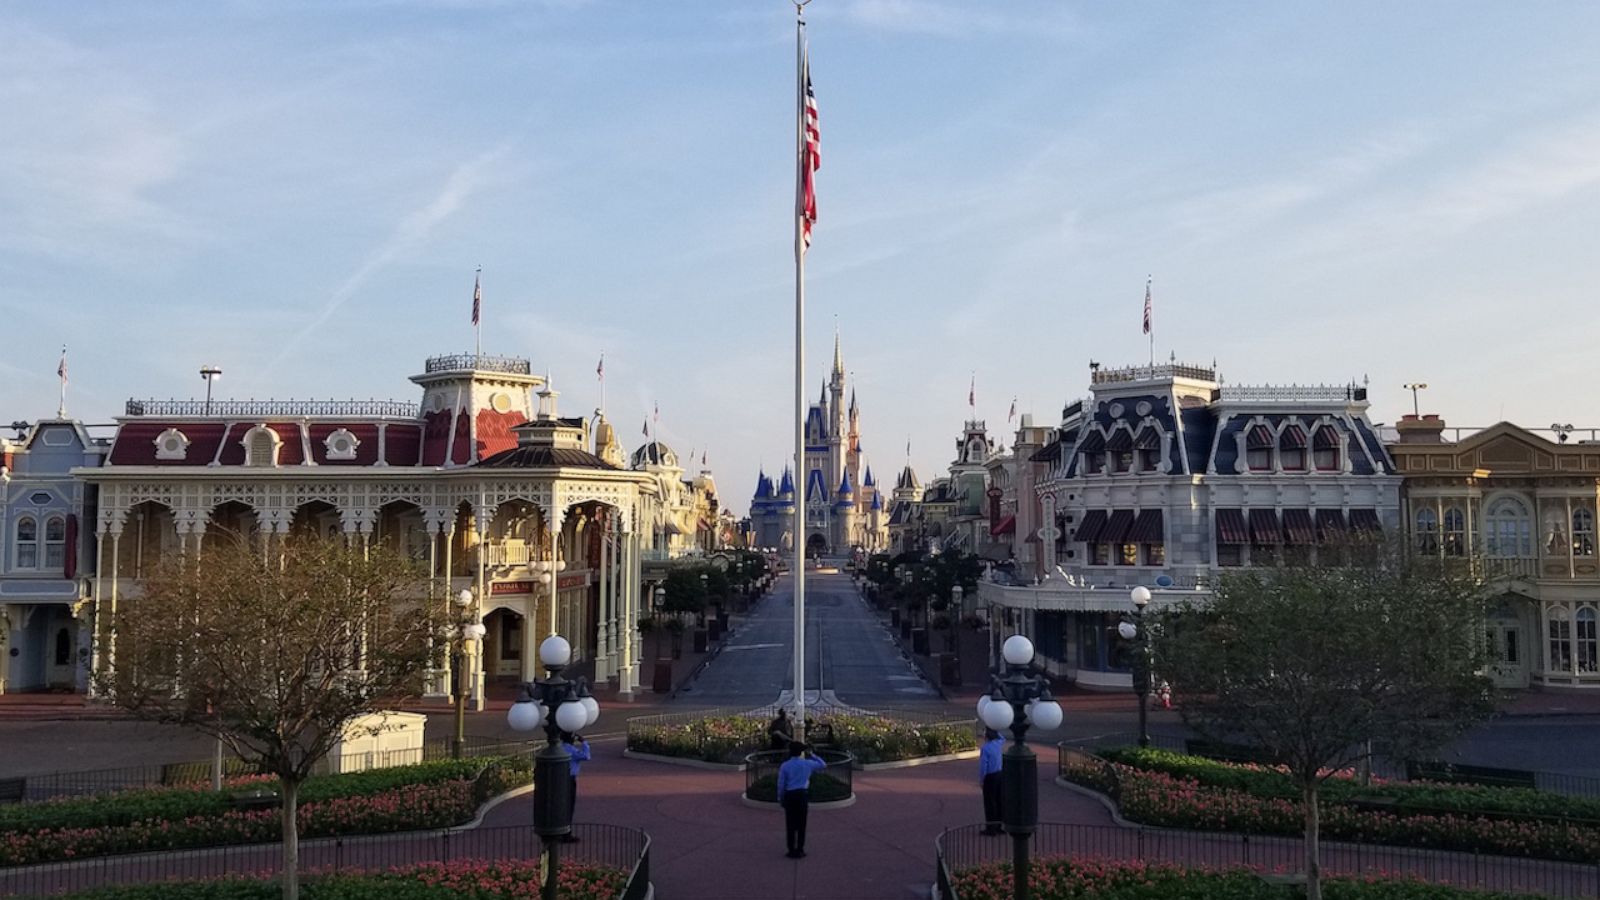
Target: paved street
{"type": "Point", "coordinates": [850, 656]}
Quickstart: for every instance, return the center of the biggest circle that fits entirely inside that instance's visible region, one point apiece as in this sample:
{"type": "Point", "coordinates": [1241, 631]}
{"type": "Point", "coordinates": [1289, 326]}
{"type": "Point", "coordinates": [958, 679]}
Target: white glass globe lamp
{"type": "Point", "coordinates": [998, 715]}
{"type": "Point", "coordinates": [555, 651]}
{"type": "Point", "coordinates": [1127, 630]}
{"type": "Point", "coordinates": [592, 707]}
{"type": "Point", "coordinates": [1046, 714]}
{"type": "Point", "coordinates": [1140, 596]}
{"type": "Point", "coordinates": [525, 715]}
{"type": "Point", "coordinates": [1018, 650]}
{"type": "Point", "coordinates": [572, 717]}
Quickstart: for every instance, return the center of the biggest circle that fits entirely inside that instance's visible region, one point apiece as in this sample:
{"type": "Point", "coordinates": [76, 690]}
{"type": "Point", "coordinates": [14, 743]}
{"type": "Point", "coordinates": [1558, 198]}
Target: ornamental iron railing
{"type": "Point", "coordinates": [1292, 393]}
{"type": "Point", "coordinates": [1151, 373]}
{"type": "Point", "coordinates": [272, 409]}
{"type": "Point", "coordinates": [478, 362]}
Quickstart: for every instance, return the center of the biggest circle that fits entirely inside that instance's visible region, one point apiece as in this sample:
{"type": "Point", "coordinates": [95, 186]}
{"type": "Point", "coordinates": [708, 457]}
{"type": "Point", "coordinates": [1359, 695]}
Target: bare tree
{"type": "Point", "coordinates": [274, 653]}
{"type": "Point", "coordinates": [1312, 664]}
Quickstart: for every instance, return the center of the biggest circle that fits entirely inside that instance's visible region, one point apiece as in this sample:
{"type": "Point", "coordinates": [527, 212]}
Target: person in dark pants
{"type": "Point", "coordinates": [794, 794]}
{"type": "Point", "coordinates": [989, 777]}
{"type": "Point", "coordinates": [579, 749]}
{"type": "Point", "coordinates": [780, 732]}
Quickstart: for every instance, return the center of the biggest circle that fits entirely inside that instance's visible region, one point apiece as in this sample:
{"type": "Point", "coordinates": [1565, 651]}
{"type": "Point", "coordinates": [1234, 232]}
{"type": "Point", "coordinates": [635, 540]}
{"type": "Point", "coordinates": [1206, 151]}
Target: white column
{"type": "Point", "coordinates": [475, 658]}
{"type": "Point", "coordinates": [602, 654]}
{"type": "Point", "coordinates": [628, 626]}
{"type": "Point", "coordinates": [557, 518]}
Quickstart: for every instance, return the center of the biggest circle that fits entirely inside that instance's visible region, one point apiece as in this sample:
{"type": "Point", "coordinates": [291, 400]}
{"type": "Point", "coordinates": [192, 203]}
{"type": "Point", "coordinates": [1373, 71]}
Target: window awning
{"type": "Point", "coordinates": [1006, 525]}
{"type": "Point", "coordinates": [1293, 438]}
{"type": "Point", "coordinates": [1264, 527]}
{"type": "Point", "coordinates": [1365, 520]}
{"type": "Point", "coordinates": [1148, 439]}
{"type": "Point", "coordinates": [1231, 528]}
{"type": "Point", "coordinates": [1121, 439]}
{"type": "Point", "coordinates": [1297, 527]}
{"type": "Point", "coordinates": [1258, 437]}
{"type": "Point", "coordinates": [1326, 438]}
{"type": "Point", "coordinates": [1330, 524]}
{"type": "Point", "coordinates": [1147, 528]}
{"type": "Point", "coordinates": [1118, 524]}
{"type": "Point", "coordinates": [1093, 442]}
{"type": "Point", "coordinates": [1094, 522]}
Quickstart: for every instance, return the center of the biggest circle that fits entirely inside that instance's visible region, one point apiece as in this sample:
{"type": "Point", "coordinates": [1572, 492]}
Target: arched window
{"type": "Point", "coordinates": [261, 446]}
{"type": "Point", "coordinates": [1292, 449]}
{"type": "Point", "coordinates": [1560, 641]}
{"type": "Point", "coordinates": [1427, 532]}
{"type": "Point", "coordinates": [1588, 645]}
{"type": "Point", "coordinates": [1258, 449]}
{"type": "Point", "coordinates": [1455, 532]}
{"type": "Point", "coordinates": [55, 543]}
{"type": "Point", "coordinates": [1325, 449]}
{"type": "Point", "coordinates": [1507, 530]}
{"type": "Point", "coordinates": [1148, 447]}
{"type": "Point", "coordinates": [27, 543]}
{"type": "Point", "coordinates": [1582, 532]}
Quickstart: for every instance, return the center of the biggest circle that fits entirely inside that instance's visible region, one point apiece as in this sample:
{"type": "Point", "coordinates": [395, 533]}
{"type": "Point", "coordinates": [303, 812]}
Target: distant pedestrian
{"type": "Point", "coordinates": [780, 732]}
{"type": "Point", "coordinates": [989, 777]}
{"type": "Point", "coordinates": [578, 748]}
{"type": "Point", "coordinates": [1165, 693]}
{"type": "Point", "coordinates": [794, 794]}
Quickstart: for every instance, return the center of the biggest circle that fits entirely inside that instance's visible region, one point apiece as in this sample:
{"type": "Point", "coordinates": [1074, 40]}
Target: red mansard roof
{"type": "Point", "coordinates": [135, 443]}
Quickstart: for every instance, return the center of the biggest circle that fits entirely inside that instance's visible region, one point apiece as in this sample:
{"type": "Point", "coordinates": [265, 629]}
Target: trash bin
{"type": "Point", "coordinates": [919, 641]}
{"type": "Point", "coordinates": [662, 683]}
{"type": "Point", "coordinates": [949, 670]}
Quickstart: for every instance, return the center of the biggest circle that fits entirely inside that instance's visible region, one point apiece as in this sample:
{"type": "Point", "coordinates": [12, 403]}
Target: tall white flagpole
{"type": "Point", "coordinates": [799, 375]}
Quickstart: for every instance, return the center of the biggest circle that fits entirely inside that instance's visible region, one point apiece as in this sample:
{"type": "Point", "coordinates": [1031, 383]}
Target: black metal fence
{"type": "Point", "coordinates": [1382, 767]}
{"type": "Point", "coordinates": [94, 782]}
{"type": "Point", "coordinates": [834, 783]}
{"type": "Point", "coordinates": [961, 849]}
{"type": "Point", "coordinates": [613, 846]}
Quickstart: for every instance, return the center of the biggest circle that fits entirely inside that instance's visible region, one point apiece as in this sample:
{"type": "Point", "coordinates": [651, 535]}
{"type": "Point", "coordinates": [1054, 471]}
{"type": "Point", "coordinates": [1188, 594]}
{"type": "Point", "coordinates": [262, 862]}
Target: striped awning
{"type": "Point", "coordinates": [1093, 442]}
{"type": "Point", "coordinates": [1297, 527]}
{"type": "Point", "coordinates": [1006, 525]}
{"type": "Point", "coordinates": [1326, 438]}
{"type": "Point", "coordinates": [1121, 439]}
{"type": "Point", "coordinates": [1293, 437]}
{"type": "Point", "coordinates": [1330, 524]}
{"type": "Point", "coordinates": [1094, 522]}
{"type": "Point", "coordinates": [1148, 439]}
{"type": "Point", "coordinates": [1147, 528]}
{"type": "Point", "coordinates": [1231, 528]}
{"type": "Point", "coordinates": [1118, 524]}
{"type": "Point", "coordinates": [1365, 520]}
{"type": "Point", "coordinates": [1259, 436]}
{"type": "Point", "coordinates": [1264, 527]}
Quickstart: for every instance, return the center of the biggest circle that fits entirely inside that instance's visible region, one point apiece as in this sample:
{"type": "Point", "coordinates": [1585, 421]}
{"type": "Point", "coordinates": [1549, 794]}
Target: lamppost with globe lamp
{"type": "Point", "coordinates": [466, 629]}
{"type": "Point", "coordinates": [1134, 631]}
{"type": "Point", "coordinates": [558, 705]}
{"type": "Point", "coordinates": [1018, 700]}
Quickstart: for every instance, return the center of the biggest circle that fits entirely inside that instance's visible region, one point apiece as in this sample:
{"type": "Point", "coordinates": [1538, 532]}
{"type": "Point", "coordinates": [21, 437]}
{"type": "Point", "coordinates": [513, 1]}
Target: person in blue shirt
{"type": "Point", "coordinates": [989, 777]}
{"type": "Point", "coordinates": [794, 794]}
{"type": "Point", "coordinates": [579, 749]}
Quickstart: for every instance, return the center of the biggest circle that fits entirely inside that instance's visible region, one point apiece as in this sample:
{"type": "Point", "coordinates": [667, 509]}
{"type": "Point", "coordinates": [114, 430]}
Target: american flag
{"type": "Point", "coordinates": [1013, 414]}
{"type": "Point", "coordinates": [61, 368]}
{"type": "Point", "coordinates": [646, 427]}
{"type": "Point", "coordinates": [477, 295]}
{"type": "Point", "coordinates": [1147, 306]}
{"type": "Point", "coordinates": [972, 393]}
{"type": "Point", "coordinates": [600, 370]}
{"type": "Point", "coordinates": [810, 159]}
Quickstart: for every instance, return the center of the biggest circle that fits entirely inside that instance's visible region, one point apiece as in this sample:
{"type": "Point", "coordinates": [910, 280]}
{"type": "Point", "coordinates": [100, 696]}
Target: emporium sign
{"type": "Point", "coordinates": [510, 587]}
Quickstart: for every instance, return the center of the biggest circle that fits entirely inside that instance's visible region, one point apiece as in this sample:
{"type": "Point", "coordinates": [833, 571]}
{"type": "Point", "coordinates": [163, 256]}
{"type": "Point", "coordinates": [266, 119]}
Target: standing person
{"type": "Point", "coordinates": [989, 777]}
{"type": "Point", "coordinates": [779, 732]}
{"type": "Point", "coordinates": [579, 749]}
{"type": "Point", "coordinates": [794, 794]}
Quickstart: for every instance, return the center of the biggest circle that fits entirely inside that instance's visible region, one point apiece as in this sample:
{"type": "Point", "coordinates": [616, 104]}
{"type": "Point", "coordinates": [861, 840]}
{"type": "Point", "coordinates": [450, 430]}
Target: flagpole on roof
{"type": "Point", "coordinates": [61, 373]}
{"type": "Point", "coordinates": [802, 210]}
{"type": "Point", "coordinates": [477, 315]}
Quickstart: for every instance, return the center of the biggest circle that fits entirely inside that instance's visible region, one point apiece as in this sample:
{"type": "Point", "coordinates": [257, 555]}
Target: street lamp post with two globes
{"type": "Point", "coordinates": [1135, 631]}
{"type": "Point", "coordinates": [466, 629]}
{"type": "Point", "coordinates": [558, 705]}
{"type": "Point", "coordinates": [1018, 700]}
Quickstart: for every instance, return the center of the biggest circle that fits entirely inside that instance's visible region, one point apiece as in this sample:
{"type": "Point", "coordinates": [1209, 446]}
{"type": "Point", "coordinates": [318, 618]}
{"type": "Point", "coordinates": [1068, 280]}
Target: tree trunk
{"type": "Point", "coordinates": [1313, 824]}
{"type": "Point", "coordinates": [291, 838]}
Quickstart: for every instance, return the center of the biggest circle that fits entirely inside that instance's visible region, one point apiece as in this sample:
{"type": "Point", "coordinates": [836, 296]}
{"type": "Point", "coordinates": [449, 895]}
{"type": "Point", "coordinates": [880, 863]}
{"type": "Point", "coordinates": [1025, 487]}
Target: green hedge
{"type": "Point", "coordinates": [1414, 798]}
{"type": "Point", "coordinates": [478, 880]}
{"type": "Point", "coordinates": [824, 788]}
{"type": "Point", "coordinates": [871, 739]}
{"type": "Point", "coordinates": [1063, 879]}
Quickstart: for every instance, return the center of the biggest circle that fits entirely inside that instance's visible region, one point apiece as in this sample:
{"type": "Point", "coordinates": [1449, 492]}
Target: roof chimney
{"type": "Point", "coordinates": [1425, 429]}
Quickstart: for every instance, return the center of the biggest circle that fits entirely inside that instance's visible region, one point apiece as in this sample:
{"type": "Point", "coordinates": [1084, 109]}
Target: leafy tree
{"type": "Point", "coordinates": [274, 653]}
{"type": "Point", "coordinates": [686, 593]}
{"type": "Point", "coordinates": [1313, 663]}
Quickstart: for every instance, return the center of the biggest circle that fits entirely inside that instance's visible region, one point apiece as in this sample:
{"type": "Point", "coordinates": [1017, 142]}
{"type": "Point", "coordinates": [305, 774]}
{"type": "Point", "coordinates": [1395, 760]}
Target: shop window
{"type": "Point", "coordinates": [1507, 530]}
{"type": "Point", "coordinates": [55, 543]}
{"type": "Point", "coordinates": [1455, 532]}
{"type": "Point", "coordinates": [1127, 554]}
{"type": "Point", "coordinates": [1588, 647]}
{"type": "Point", "coordinates": [1560, 641]}
{"type": "Point", "coordinates": [1122, 461]}
{"type": "Point", "coordinates": [1427, 532]}
{"type": "Point", "coordinates": [1230, 555]}
{"type": "Point", "coordinates": [1093, 463]}
{"type": "Point", "coordinates": [1099, 554]}
{"type": "Point", "coordinates": [1582, 532]}
{"type": "Point", "coordinates": [1155, 554]}
{"type": "Point", "coordinates": [27, 543]}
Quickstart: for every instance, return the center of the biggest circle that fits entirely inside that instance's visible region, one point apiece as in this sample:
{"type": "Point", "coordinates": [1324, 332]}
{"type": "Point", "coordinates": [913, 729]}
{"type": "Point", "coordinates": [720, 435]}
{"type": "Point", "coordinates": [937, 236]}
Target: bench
{"type": "Point", "coordinates": [1235, 753]}
{"type": "Point", "coordinates": [13, 790]}
{"type": "Point", "coordinates": [1456, 773]}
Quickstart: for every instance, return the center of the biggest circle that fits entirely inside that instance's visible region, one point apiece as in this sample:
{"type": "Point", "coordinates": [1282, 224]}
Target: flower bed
{"type": "Point", "coordinates": [1071, 879]}
{"type": "Point", "coordinates": [498, 880]}
{"type": "Point", "coordinates": [871, 739]}
{"type": "Point", "coordinates": [431, 795]}
{"type": "Point", "coordinates": [1158, 798]}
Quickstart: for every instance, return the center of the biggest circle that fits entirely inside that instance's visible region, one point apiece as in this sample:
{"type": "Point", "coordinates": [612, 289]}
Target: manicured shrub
{"type": "Point", "coordinates": [824, 788]}
{"type": "Point", "coordinates": [480, 880]}
{"type": "Point", "coordinates": [871, 739]}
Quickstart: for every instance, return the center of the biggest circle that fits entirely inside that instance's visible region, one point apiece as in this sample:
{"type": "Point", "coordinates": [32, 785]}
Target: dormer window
{"type": "Point", "coordinates": [27, 543]}
{"type": "Point", "coordinates": [1093, 450]}
{"type": "Point", "coordinates": [341, 445]}
{"type": "Point", "coordinates": [1148, 448]}
{"type": "Point", "coordinates": [1292, 449]}
{"type": "Point", "coordinates": [1325, 449]}
{"type": "Point", "coordinates": [1120, 448]}
{"type": "Point", "coordinates": [261, 446]}
{"type": "Point", "coordinates": [1258, 449]}
{"type": "Point", "coordinates": [172, 444]}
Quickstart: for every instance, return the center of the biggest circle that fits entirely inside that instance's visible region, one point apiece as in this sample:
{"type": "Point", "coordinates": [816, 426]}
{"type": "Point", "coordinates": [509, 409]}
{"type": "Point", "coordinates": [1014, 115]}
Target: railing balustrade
{"type": "Point", "coordinates": [275, 409]}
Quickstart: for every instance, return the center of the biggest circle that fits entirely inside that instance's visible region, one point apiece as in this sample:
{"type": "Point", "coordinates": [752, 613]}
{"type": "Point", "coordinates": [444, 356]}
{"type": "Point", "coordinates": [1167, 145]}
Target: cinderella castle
{"type": "Point", "coordinates": [844, 510]}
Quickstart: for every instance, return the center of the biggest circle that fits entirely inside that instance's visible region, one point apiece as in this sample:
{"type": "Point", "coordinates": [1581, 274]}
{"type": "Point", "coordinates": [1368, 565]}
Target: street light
{"type": "Point", "coordinates": [1019, 700]}
{"type": "Point", "coordinates": [1413, 388]}
{"type": "Point", "coordinates": [1134, 631]}
{"type": "Point", "coordinates": [557, 705]}
{"type": "Point", "coordinates": [210, 374]}
{"type": "Point", "coordinates": [465, 630]}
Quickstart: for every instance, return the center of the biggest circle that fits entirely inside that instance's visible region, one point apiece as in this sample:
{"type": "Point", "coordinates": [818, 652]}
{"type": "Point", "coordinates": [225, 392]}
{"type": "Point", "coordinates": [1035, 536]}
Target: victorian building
{"type": "Point", "coordinates": [483, 482]}
{"type": "Point", "coordinates": [1165, 476]}
{"type": "Point", "coordinates": [1520, 509]}
{"type": "Point", "coordinates": [843, 508]}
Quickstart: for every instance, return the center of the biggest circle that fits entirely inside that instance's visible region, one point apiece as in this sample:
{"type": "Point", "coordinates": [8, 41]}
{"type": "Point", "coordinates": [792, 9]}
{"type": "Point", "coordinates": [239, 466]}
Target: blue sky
{"type": "Point", "coordinates": [299, 192]}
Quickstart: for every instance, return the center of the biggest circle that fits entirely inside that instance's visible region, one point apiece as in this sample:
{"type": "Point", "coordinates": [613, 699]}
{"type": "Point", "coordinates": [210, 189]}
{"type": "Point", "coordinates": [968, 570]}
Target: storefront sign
{"type": "Point", "coordinates": [510, 587]}
{"type": "Point", "coordinates": [573, 580]}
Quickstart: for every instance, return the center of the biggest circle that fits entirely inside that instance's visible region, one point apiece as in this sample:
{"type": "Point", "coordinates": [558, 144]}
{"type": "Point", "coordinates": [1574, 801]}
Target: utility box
{"type": "Point", "coordinates": [377, 741]}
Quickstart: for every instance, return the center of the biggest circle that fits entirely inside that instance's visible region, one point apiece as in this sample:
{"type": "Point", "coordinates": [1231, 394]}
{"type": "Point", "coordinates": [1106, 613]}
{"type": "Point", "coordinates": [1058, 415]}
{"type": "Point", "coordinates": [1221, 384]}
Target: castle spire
{"type": "Point", "coordinates": [838, 358]}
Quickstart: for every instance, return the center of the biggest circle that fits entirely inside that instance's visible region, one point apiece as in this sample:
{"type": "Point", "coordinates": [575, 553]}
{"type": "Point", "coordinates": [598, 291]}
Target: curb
{"type": "Point", "coordinates": [683, 761]}
{"type": "Point", "coordinates": [919, 761]}
{"type": "Point", "coordinates": [488, 805]}
{"type": "Point", "coordinates": [830, 804]}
